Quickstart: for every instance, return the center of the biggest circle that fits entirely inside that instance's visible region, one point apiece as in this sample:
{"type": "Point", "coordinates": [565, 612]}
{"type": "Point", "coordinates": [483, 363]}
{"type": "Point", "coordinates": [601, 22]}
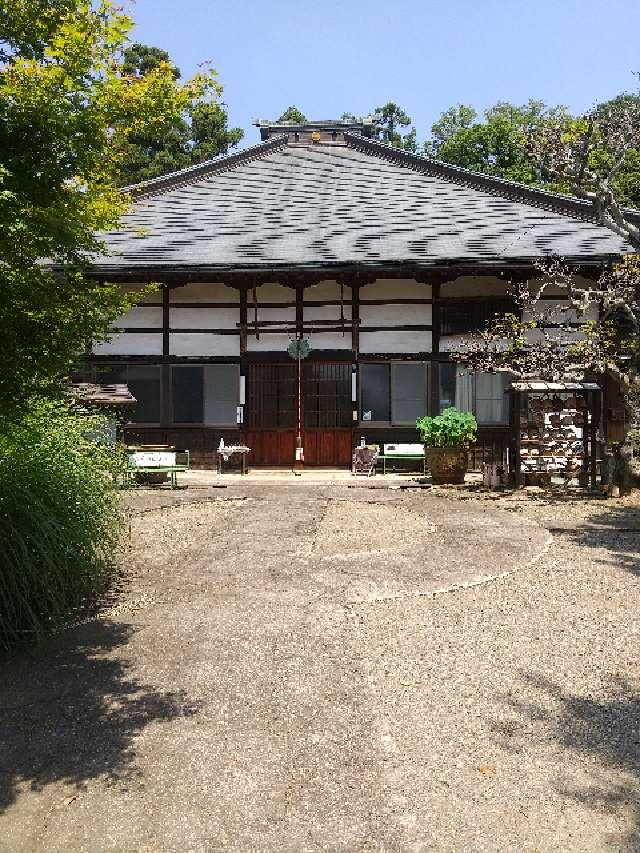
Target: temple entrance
{"type": "Point", "coordinates": [326, 413]}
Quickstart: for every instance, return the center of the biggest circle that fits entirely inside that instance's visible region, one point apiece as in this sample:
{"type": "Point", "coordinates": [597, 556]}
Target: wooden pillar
{"type": "Point", "coordinates": [299, 312]}
{"type": "Point", "coordinates": [355, 318]}
{"type": "Point", "coordinates": [166, 296]}
{"type": "Point", "coordinates": [243, 320]}
{"type": "Point", "coordinates": [435, 348]}
{"type": "Point", "coordinates": [165, 369]}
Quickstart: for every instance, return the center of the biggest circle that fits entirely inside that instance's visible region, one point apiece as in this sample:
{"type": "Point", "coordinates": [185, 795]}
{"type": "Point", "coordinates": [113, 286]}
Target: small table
{"type": "Point", "coordinates": [225, 453]}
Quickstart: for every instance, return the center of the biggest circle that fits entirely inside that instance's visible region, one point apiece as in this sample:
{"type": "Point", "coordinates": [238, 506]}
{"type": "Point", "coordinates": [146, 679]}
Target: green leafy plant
{"type": "Point", "coordinates": [60, 520]}
{"type": "Point", "coordinates": [450, 429]}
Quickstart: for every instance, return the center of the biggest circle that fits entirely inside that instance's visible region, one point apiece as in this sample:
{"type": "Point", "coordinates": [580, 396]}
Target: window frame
{"type": "Point", "coordinates": [389, 364]}
{"type": "Point", "coordinates": [203, 423]}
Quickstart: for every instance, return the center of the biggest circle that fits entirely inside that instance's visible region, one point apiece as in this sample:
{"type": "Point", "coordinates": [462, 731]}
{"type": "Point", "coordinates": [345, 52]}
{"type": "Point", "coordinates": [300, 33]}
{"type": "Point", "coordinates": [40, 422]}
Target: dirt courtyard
{"type": "Point", "coordinates": [301, 669]}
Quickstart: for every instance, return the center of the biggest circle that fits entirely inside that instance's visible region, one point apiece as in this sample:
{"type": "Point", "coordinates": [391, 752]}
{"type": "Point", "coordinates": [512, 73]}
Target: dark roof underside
{"type": "Point", "coordinates": [287, 206]}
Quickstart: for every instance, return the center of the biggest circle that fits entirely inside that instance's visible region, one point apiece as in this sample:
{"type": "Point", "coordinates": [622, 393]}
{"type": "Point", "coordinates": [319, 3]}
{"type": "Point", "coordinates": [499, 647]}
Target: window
{"type": "Point", "coordinates": [205, 394]}
{"type": "Point", "coordinates": [409, 397]}
{"type": "Point", "coordinates": [480, 393]}
{"type": "Point", "coordinates": [396, 392]}
{"type": "Point", "coordinates": [375, 392]}
{"type": "Point", "coordinates": [143, 381]}
{"type": "Point", "coordinates": [464, 315]}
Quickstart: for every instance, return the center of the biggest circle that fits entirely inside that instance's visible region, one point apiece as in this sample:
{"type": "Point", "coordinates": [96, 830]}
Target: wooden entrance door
{"type": "Point", "coordinates": [326, 413]}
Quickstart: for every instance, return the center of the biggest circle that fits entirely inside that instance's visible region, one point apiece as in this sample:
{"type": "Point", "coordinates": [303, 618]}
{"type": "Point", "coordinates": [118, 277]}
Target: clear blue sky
{"type": "Point", "coordinates": [330, 57]}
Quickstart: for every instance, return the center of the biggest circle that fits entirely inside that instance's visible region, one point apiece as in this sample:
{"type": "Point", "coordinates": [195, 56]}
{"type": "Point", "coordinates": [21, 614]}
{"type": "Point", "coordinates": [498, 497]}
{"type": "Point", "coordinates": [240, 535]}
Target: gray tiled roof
{"type": "Point", "coordinates": [288, 205]}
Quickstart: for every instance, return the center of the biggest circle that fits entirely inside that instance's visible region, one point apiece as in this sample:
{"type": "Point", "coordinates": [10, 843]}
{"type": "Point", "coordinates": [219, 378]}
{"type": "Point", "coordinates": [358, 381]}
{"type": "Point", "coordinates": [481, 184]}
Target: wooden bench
{"type": "Point", "coordinates": [150, 461]}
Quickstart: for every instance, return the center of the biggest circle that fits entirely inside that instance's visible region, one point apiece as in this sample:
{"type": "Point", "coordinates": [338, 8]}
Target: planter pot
{"type": "Point", "coordinates": [447, 464]}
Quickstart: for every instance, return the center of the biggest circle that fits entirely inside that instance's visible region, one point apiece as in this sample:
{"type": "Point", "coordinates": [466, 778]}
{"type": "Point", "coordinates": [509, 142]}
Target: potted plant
{"type": "Point", "coordinates": [446, 440]}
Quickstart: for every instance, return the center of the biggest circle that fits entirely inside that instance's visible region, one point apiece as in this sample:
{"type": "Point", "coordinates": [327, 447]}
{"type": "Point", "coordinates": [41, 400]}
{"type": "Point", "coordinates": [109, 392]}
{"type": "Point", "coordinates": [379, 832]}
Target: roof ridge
{"type": "Point", "coordinates": [202, 170]}
{"type": "Point", "coordinates": [557, 202]}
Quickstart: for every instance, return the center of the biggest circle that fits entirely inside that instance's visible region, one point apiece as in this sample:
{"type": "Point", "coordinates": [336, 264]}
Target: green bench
{"type": "Point", "coordinates": [156, 465]}
{"type": "Point", "coordinates": [394, 452]}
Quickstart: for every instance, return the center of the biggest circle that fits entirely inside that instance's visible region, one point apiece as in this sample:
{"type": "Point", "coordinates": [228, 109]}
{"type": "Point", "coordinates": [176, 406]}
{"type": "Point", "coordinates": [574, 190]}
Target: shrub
{"type": "Point", "coordinates": [450, 429]}
{"type": "Point", "coordinates": [59, 519]}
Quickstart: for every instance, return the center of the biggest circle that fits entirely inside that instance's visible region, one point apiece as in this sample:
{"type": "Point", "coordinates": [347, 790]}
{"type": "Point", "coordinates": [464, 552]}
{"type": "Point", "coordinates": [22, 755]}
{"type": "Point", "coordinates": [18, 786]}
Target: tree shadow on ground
{"type": "Point", "coordinates": [605, 729]}
{"type": "Point", "coordinates": [70, 712]}
{"type": "Point", "coordinates": [614, 529]}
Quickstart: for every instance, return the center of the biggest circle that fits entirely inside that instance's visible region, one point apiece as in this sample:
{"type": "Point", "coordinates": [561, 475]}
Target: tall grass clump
{"type": "Point", "coordinates": [59, 519]}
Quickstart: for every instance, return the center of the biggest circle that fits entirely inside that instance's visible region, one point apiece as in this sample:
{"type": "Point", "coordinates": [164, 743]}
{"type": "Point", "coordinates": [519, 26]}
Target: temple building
{"type": "Point", "coordinates": [380, 260]}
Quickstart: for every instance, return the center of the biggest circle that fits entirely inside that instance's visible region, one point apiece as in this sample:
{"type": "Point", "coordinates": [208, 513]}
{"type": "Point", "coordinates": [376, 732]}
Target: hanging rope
{"type": "Point", "coordinates": [342, 308]}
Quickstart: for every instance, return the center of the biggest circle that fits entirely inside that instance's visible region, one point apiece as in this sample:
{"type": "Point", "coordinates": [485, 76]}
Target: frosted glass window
{"type": "Point", "coordinates": [221, 394]}
{"type": "Point", "coordinates": [409, 392]}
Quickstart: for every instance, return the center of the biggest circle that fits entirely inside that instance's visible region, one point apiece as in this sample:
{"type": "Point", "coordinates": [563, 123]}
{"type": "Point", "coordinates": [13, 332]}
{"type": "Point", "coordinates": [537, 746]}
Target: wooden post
{"type": "Point", "coordinates": [243, 320]}
{"type": "Point", "coordinates": [517, 413]}
{"type": "Point", "coordinates": [435, 348]}
{"type": "Point", "coordinates": [165, 368]}
{"type": "Point", "coordinates": [355, 318]}
{"type": "Point", "coordinates": [299, 452]}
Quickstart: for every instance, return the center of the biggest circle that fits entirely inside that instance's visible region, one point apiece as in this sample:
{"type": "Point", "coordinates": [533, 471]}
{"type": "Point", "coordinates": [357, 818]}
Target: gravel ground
{"type": "Point", "coordinates": [282, 670]}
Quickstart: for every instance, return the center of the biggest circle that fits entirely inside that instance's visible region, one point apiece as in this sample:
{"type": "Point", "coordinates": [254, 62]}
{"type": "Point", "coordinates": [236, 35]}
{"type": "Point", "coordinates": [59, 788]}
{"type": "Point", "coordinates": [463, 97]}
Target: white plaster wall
{"type": "Point", "coordinates": [394, 315]}
{"type": "Point", "coordinates": [138, 343]}
{"type": "Point", "coordinates": [204, 318]}
{"type": "Point", "coordinates": [325, 290]}
{"type": "Point", "coordinates": [452, 343]}
{"type": "Point", "coordinates": [183, 343]}
{"type": "Point", "coordinates": [392, 288]}
{"type": "Point", "coordinates": [273, 293]}
{"type": "Point", "coordinates": [148, 317]}
{"type": "Point", "coordinates": [329, 340]}
{"type": "Point", "coordinates": [327, 312]}
{"type": "Point", "coordinates": [558, 315]}
{"type": "Point", "coordinates": [409, 342]}
{"type": "Point", "coordinates": [287, 315]}
{"type": "Point", "coordinates": [204, 292]}
{"type": "Point", "coordinates": [269, 342]}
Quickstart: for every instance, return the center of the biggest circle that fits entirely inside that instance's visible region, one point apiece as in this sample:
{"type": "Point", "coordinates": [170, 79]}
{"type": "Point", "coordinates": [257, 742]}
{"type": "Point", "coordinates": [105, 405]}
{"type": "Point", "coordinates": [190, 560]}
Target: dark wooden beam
{"type": "Point", "coordinates": [165, 320]}
{"type": "Point", "coordinates": [355, 319]}
{"type": "Point", "coordinates": [299, 312]}
{"type": "Point", "coordinates": [435, 347]}
{"type": "Point", "coordinates": [243, 320]}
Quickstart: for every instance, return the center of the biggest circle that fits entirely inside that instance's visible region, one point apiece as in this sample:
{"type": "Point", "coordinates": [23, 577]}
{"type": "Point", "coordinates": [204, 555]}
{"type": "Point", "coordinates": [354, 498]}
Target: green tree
{"type": "Point", "coordinates": [387, 121]}
{"type": "Point", "coordinates": [140, 59]}
{"type": "Point", "coordinates": [67, 115]}
{"type": "Point", "coordinates": [451, 122]}
{"type": "Point", "coordinates": [293, 115]}
{"type": "Point", "coordinates": [199, 133]}
{"type": "Point", "coordinates": [497, 145]}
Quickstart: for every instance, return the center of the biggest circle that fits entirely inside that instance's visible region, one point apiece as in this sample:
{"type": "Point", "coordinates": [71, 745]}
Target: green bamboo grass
{"type": "Point", "coordinates": [59, 521]}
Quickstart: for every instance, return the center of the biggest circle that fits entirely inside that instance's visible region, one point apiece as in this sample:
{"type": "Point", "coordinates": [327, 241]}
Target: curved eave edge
{"type": "Point", "coordinates": [457, 266]}
{"type": "Point", "coordinates": [513, 190]}
{"type": "Point", "coordinates": [202, 170]}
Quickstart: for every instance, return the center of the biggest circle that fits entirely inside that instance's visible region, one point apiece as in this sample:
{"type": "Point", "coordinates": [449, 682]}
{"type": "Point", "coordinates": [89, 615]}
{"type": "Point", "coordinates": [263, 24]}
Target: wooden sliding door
{"type": "Point", "coordinates": [326, 413]}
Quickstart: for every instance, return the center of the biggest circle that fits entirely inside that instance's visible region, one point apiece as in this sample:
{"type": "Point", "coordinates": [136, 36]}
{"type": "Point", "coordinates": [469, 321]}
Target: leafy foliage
{"type": "Point", "coordinates": [199, 133]}
{"type": "Point", "coordinates": [387, 121]}
{"type": "Point", "coordinates": [59, 519]}
{"type": "Point", "coordinates": [67, 116]}
{"type": "Point", "coordinates": [495, 146]}
{"type": "Point", "coordinates": [293, 115]}
{"type": "Point", "coordinates": [452, 428]}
